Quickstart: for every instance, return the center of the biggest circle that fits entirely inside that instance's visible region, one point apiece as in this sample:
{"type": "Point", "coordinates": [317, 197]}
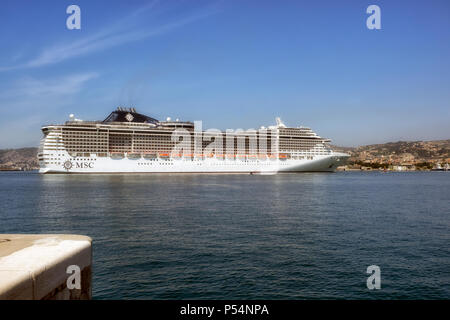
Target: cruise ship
{"type": "Point", "coordinates": [131, 142]}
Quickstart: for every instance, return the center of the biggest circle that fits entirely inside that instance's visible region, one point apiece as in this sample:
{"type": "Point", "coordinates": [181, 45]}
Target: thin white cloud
{"type": "Point", "coordinates": [26, 132]}
{"type": "Point", "coordinates": [29, 87]}
{"type": "Point", "coordinates": [119, 33]}
{"type": "Point", "coordinates": [23, 101]}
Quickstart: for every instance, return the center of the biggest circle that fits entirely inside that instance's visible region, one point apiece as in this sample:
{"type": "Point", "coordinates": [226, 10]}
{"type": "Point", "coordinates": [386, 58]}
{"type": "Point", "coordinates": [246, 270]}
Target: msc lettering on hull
{"type": "Point", "coordinates": [84, 165]}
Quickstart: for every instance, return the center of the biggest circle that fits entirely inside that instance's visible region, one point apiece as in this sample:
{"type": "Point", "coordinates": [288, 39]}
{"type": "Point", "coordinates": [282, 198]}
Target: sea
{"type": "Point", "coordinates": [285, 236]}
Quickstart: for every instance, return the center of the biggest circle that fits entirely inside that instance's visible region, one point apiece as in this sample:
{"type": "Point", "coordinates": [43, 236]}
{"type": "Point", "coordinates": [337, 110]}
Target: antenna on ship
{"type": "Point", "coordinates": [280, 123]}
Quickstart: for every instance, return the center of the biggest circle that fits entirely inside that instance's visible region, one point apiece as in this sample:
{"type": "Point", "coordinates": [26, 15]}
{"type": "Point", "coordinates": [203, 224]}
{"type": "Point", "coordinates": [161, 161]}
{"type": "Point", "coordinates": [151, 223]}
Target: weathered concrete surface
{"type": "Point", "coordinates": [33, 267]}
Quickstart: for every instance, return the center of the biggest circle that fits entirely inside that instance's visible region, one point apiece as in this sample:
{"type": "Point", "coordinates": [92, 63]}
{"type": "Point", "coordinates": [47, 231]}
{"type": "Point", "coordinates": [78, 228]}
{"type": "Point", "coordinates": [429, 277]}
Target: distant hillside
{"type": "Point", "coordinates": [408, 152]}
{"type": "Point", "coordinates": [19, 159]}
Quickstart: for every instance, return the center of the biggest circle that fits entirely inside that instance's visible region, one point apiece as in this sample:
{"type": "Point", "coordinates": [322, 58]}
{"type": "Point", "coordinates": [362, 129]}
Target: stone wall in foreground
{"type": "Point", "coordinates": [35, 267]}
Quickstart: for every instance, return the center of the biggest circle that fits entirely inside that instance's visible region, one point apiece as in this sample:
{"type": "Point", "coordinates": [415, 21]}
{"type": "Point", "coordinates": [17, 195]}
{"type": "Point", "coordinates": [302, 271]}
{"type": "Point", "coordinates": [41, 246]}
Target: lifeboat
{"type": "Point", "coordinates": [262, 157]}
{"type": "Point", "coordinates": [220, 156]}
{"type": "Point", "coordinates": [231, 156]}
{"type": "Point", "coordinates": [210, 155]}
{"type": "Point", "coordinates": [242, 156]}
{"type": "Point", "coordinates": [282, 156]}
{"type": "Point", "coordinates": [133, 155]}
{"type": "Point", "coordinates": [188, 155]}
{"type": "Point", "coordinates": [150, 155]}
{"type": "Point", "coordinates": [163, 155]}
{"type": "Point", "coordinates": [176, 155]}
{"type": "Point", "coordinates": [117, 155]}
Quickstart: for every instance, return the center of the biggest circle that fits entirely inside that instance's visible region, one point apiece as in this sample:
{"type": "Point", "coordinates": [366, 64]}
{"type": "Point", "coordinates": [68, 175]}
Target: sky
{"type": "Point", "coordinates": [232, 64]}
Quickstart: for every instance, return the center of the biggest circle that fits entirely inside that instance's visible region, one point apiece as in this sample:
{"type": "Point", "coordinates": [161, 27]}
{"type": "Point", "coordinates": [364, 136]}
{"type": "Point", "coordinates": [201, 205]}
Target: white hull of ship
{"type": "Point", "coordinates": [97, 165]}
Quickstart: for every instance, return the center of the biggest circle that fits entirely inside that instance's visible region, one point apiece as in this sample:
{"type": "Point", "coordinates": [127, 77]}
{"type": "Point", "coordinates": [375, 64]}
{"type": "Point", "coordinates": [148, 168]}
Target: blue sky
{"type": "Point", "coordinates": [232, 64]}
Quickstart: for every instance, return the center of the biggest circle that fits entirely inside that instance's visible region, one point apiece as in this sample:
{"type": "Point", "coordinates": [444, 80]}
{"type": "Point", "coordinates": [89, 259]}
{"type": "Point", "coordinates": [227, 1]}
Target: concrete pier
{"type": "Point", "coordinates": [51, 266]}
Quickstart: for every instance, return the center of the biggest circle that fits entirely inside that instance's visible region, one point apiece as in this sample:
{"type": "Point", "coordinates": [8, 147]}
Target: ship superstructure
{"type": "Point", "coordinates": [130, 142]}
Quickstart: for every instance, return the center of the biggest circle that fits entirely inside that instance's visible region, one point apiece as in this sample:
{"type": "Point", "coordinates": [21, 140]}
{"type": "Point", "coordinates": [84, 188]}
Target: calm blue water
{"type": "Point", "coordinates": [294, 236]}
